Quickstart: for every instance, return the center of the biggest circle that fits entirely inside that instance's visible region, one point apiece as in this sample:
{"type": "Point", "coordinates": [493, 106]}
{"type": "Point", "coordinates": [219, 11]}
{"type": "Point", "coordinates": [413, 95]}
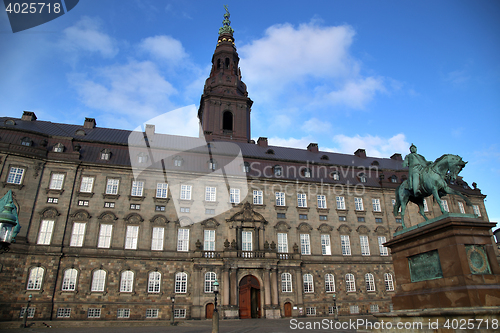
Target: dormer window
{"type": "Point", "coordinates": [278, 171]}
{"type": "Point", "coordinates": [80, 132]}
{"type": "Point", "coordinates": [335, 175]}
{"type": "Point", "coordinates": [177, 161]}
{"type": "Point", "coordinates": [212, 164]}
{"type": "Point", "coordinates": [362, 178]}
{"type": "Point", "coordinates": [325, 158]}
{"type": "Point", "coordinates": [246, 167]}
{"type": "Point", "coordinates": [142, 158]}
{"type": "Point", "coordinates": [393, 179]}
{"type": "Point", "coordinates": [306, 173]}
{"type": "Point", "coordinates": [375, 163]}
{"type": "Point", "coordinates": [26, 141]}
{"type": "Point", "coordinates": [270, 152]}
{"type": "Point", "coordinates": [58, 148]}
{"type": "Point", "coordinates": [10, 122]}
{"type": "Point", "coordinates": [105, 154]}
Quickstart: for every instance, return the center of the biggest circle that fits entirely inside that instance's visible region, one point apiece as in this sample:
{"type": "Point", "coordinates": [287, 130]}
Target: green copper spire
{"type": "Point", "coordinates": [226, 28]}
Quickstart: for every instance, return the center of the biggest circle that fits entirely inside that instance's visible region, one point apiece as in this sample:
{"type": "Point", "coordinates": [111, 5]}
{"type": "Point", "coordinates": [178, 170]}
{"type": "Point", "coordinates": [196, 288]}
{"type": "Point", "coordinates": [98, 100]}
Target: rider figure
{"type": "Point", "coordinates": [415, 164]}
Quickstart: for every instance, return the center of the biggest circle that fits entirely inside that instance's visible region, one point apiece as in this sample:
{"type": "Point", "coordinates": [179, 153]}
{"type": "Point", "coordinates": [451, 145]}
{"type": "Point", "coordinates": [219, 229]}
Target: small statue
{"type": "Point", "coordinates": [415, 163]}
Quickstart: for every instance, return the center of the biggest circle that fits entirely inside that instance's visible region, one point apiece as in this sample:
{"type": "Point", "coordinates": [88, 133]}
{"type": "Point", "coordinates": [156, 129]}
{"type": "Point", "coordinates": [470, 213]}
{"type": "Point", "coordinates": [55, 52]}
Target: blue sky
{"type": "Point", "coordinates": [355, 74]}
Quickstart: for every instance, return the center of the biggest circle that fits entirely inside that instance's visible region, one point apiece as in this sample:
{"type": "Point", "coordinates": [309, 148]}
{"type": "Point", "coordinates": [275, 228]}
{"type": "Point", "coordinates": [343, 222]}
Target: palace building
{"type": "Point", "coordinates": [117, 224]}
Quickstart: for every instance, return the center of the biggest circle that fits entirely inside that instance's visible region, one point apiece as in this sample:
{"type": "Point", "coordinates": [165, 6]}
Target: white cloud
{"type": "Point", "coordinates": [457, 77]}
{"type": "Point", "coordinates": [374, 145]}
{"type": "Point", "coordinates": [314, 125]}
{"type": "Point", "coordinates": [183, 121]}
{"type": "Point", "coordinates": [301, 143]}
{"type": "Point", "coordinates": [356, 94]}
{"type": "Point", "coordinates": [164, 48]}
{"type": "Point", "coordinates": [85, 36]}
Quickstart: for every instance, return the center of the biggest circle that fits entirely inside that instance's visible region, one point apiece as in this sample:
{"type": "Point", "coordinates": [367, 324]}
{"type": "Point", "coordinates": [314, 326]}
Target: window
{"type": "Point", "coordinates": [365, 247]}
{"type": "Point", "coordinates": [353, 309]}
{"type": "Point", "coordinates": [179, 313]}
{"type": "Point", "coordinates": [345, 244]}
{"type": "Point", "coordinates": [63, 313]}
{"type": "Point", "coordinates": [112, 186]}
{"type": "Point", "coordinates": [389, 283]}
{"type": "Point", "coordinates": [378, 220]}
{"type": "Point", "coordinates": [445, 205]}
{"type": "Point", "coordinates": [278, 171]}
{"type": "Point", "coordinates": [157, 239]}
{"type": "Point", "coordinates": [109, 205]}
{"type": "Point", "coordinates": [123, 313]}
{"type": "Point", "coordinates": [35, 279]}
{"type": "Point", "coordinates": [376, 205]}
{"type": "Point", "coordinates": [280, 198]}
{"type": "Point", "coordinates": [234, 195]}
{"type": "Point", "coordinates": [342, 218]}
{"type": "Point", "coordinates": [183, 240]}
{"type": "Point", "coordinates": [209, 211]}
{"type": "Point", "coordinates": [210, 193]}
{"type": "Point", "coordinates": [69, 279]}
{"type": "Point", "coordinates": [381, 247]}
{"type": "Point", "coordinates": [394, 179]}
{"type": "Point", "coordinates": [329, 283]}
{"type": "Point", "coordinates": [394, 204]}
{"type": "Point", "coordinates": [52, 200]}
{"type": "Point", "coordinates": [45, 234]}
{"type": "Point", "coordinates": [209, 240]}
{"type": "Point", "coordinates": [331, 310]}
{"type": "Point", "coordinates": [426, 208]}
{"type": "Point", "coordinates": [350, 283]}
{"type": "Point", "coordinates": [127, 282]}
{"type": "Point", "coordinates": [370, 282]}
{"type": "Point", "coordinates": [340, 203]}
{"type": "Point", "coordinates": [181, 283]}
{"type": "Point", "coordinates": [31, 312]}
{"type": "Point", "coordinates": [302, 216]}
{"type": "Point", "coordinates": [308, 283]}
{"type": "Point", "coordinates": [177, 161]}
{"type": "Point", "coordinates": [362, 178]}
{"type": "Point", "coordinates": [83, 203]}
{"type": "Point", "coordinates": [137, 188]}
{"type": "Point", "coordinates": [305, 244]}
{"type": "Point", "coordinates": [307, 173]}
{"type": "Point", "coordinates": [335, 175]}
{"type": "Point", "coordinates": [358, 203]}
{"type": "Point", "coordinates": [310, 311]}
{"type": "Point", "coordinates": [361, 219]}
{"type": "Point", "coordinates": [374, 308]}
{"type": "Point", "coordinates": [94, 313]}
{"type": "Point", "coordinates": [142, 158]}
{"type": "Point", "coordinates": [325, 245]}
{"type": "Point", "coordinates": [98, 280]}
{"type": "Point", "coordinates": [159, 208]}
{"type": "Point", "coordinates": [286, 282]}
{"type": "Point", "coordinates": [301, 200]}
{"type": "Point", "coordinates": [58, 148]}
{"type": "Point", "coordinates": [105, 154]}
{"type": "Point", "coordinates": [322, 201]}
{"type": "Point", "coordinates": [185, 209]}
{"type": "Point", "coordinates": [154, 282]}
{"type": "Point", "coordinates": [476, 210]}
{"type": "Point", "coordinates": [323, 218]}
{"type": "Point", "coordinates": [246, 241]}
{"type": "Point", "coordinates": [161, 190]}
{"type": "Point", "coordinates": [282, 242]}
{"type": "Point", "coordinates": [461, 207]}
{"type": "Point", "coordinates": [15, 176]}
{"type": "Point", "coordinates": [151, 313]}
{"type": "Point", "coordinates": [131, 238]}
{"type": "Point", "coordinates": [56, 181]}
{"type": "Point", "coordinates": [186, 192]}
{"type": "Point", "coordinates": [78, 234]}
{"type": "Point", "coordinates": [210, 278]}
{"type": "Point", "coordinates": [257, 197]}
{"type": "Point", "coordinates": [281, 216]}
{"type": "Point", "coordinates": [246, 167]}
{"type": "Point", "coordinates": [212, 165]}
{"type": "Point", "coordinates": [105, 236]}
{"type": "Point", "coordinates": [26, 142]}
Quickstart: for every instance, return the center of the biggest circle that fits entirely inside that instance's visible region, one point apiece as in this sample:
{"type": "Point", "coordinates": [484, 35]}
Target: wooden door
{"type": "Point", "coordinates": [209, 310]}
{"type": "Point", "coordinates": [288, 309]}
{"type": "Point", "coordinates": [245, 302]}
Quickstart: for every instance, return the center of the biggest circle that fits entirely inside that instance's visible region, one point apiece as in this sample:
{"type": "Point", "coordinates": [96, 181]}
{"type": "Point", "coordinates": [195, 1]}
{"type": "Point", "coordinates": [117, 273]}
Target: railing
{"type": "Point", "coordinates": [283, 256]}
{"type": "Point", "coordinates": [251, 254]}
{"type": "Point", "coordinates": [211, 254]}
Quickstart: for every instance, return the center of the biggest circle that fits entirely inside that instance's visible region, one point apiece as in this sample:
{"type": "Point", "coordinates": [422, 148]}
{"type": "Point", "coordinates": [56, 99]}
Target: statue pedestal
{"type": "Point", "coordinates": [445, 268]}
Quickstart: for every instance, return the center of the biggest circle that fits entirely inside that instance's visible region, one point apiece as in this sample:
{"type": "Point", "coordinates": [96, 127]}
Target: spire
{"type": "Point", "coordinates": [226, 24]}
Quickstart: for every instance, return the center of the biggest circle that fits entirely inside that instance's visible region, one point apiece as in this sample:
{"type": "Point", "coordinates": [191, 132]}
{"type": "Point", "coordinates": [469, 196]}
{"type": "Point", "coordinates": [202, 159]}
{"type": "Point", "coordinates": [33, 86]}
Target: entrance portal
{"type": "Point", "coordinates": [249, 297]}
{"type": "Point", "coordinates": [288, 309]}
{"type": "Point", "coordinates": [209, 310]}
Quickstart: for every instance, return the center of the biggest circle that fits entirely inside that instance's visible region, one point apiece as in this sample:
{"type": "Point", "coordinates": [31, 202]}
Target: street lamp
{"type": "Point", "coordinates": [25, 315]}
{"type": "Point", "coordinates": [335, 307]}
{"type": "Point", "coordinates": [215, 316]}
{"type": "Point", "coordinates": [172, 316]}
{"type": "Point", "coordinates": [7, 225]}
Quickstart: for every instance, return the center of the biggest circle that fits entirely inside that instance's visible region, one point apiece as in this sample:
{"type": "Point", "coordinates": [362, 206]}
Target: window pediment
{"type": "Point", "coordinates": [325, 228]}
{"type": "Point", "coordinates": [81, 215]}
{"type": "Point", "coordinates": [304, 227]}
{"type": "Point", "coordinates": [247, 214]}
{"type": "Point", "coordinates": [108, 217]}
{"type": "Point", "coordinates": [381, 230]}
{"type": "Point", "coordinates": [159, 219]}
{"type": "Point", "coordinates": [133, 218]}
{"type": "Point", "coordinates": [49, 212]}
{"type": "Point", "coordinates": [344, 229]}
{"type": "Point", "coordinates": [210, 223]}
{"type": "Point", "coordinates": [362, 229]}
{"type": "Point", "coordinates": [282, 226]}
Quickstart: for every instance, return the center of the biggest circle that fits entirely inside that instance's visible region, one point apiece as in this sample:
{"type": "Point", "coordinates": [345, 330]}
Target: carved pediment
{"type": "Point", "coordinates": [49, 212]}
{"type": "Point", "coordinates": [210, 223]}
{"type": "Point", "coordinates": [184, 221]}
{"type": "Point", "coordinates": [133, 218]}
{"type": "Point", "coordinates": [381, 230]}
{"type": "Point", "coordinates": [305, 227]}
{"type": "Point", "coordinates": [159, 219]}
{"type": "Point", "coordinates": [325, 228]}
{"type": "Point", "coordinates": [247, 214]}
{"type": "Point", "coordinates": [81, 215]}
{"type": "Point", "coordinates": [108, 217]}
{"type": "Point", "coordinates": [282, 226]}
{"type": "Point", "coordinates": [362, 229]}
{"type": "Point", "coordinates": [344, 229]}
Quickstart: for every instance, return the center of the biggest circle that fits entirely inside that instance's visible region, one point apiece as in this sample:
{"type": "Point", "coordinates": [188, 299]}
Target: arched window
{"type": "Point", "coordinates": [362, 177]}
{"type": "Point", "coordinates": [105, 154]}
{"type": "Point", "coordinates": [210, 278]}
{"type": "Point", "coordinates": [154, 282]}
{"type": "Point", "coordinates": [227, 121]}
{"type": "Point", "coordinates": [286, 282]}
{"type": "Point", "coordinates": [227, 63]}
{"type": "Point", "coordinates": [181, 283]}
{"type": "Point", "coordinates": [278, 170]}
{"type": "Point", "coordinates": [370, 282]}
{"type": "Point", "coordinates": [389, 283]}
{"type": "Point", "coordinates": [308, 283]}
{"type": "Point", "coordinates": [98, 280]}
{"type": "Point", "coordinates": [69, 280]}
{"type": "Point", "coordinates": [58, 148]}
{"type": "Point", "coordinates": [26, 141]}
{"type": "Point", "coordinates": [218, 63]}
{"type": "Point", "coordinates": [35, 279]}
{"type": "Point", "coordinates": [127, 282]}
{"type": "Point", "coordinates": [329, 283]}
{"type": "Point", "coordinates": [350, 283]}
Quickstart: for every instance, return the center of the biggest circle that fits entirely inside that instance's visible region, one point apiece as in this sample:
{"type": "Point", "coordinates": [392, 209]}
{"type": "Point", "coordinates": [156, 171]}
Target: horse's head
{"type": "Point", "coordinates": [456, 164]}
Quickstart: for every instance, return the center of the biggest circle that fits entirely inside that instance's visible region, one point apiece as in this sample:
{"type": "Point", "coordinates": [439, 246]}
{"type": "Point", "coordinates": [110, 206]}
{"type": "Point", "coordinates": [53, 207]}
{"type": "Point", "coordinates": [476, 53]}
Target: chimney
{"type": "Point", "coordinates": [360, 153]}
{"type": "Point", "coordinates": [262, 142]}
{"type": "Point", "coordinates": [89, 123]}
{"type": "Point", "coordinates": [313, 147]}
{"type": "Point", "coordinates": [28, 116]}
{"type": "Point", "coordinates": [396, 157]}
{"type": "Point", "coordinates": [150, 131]}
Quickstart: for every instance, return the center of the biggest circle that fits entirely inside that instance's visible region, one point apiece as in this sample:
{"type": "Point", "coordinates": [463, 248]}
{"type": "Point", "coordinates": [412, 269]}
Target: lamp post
{"type": "Point", "coordinates": [25, 315]}
{"type": "Point", "coordinates": [172, 316]}
{"type": "Point", "coordinates": [215, 316]}
{"type": "Point", "coordinates": [7, 224]}
{"type": "Point", "coordinates": [335, 307]}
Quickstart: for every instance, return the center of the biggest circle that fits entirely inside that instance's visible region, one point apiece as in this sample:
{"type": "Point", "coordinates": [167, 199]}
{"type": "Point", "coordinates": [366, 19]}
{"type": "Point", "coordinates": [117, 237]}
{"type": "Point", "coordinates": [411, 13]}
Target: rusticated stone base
{"type": "Point", "coordinates": [273, 313]}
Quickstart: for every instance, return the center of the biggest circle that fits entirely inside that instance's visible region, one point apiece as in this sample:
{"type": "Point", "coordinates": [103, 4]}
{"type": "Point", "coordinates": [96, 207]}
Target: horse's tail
{"type": "Point", "coordinates": [397, 204]}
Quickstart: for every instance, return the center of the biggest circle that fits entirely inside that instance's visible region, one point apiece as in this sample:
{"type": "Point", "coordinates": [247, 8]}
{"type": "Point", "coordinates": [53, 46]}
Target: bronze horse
{"type": "Point", "coordinates": [432, 182]}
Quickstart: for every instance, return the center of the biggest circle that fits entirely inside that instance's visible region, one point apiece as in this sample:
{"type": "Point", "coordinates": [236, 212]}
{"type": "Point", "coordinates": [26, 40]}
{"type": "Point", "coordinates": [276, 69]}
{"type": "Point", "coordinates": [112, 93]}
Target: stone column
{"type": "Point", "coordinates": [274, 285]}
{"type": "Point", "coordinates": [226, 283]}
{"type": "Point", "coordinates": [267, 287]}
{"type": "Point", "coordinates": [234, 286]}
{"type": "Point", "coordinates": [238, 238]}
{"type": "Point", "coordinates": [299, 286]}
{"type": "Point", "coordinates": [257, 243]}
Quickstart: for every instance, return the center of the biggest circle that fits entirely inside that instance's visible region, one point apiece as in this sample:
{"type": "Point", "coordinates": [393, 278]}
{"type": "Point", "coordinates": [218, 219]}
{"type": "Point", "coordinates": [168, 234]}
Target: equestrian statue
{"type": "Point", "coordinates": [427, 178]}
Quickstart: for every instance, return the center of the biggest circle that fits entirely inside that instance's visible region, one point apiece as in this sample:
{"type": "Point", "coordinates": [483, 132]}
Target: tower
{"type": "Point", "coordinates": [225, 107]}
